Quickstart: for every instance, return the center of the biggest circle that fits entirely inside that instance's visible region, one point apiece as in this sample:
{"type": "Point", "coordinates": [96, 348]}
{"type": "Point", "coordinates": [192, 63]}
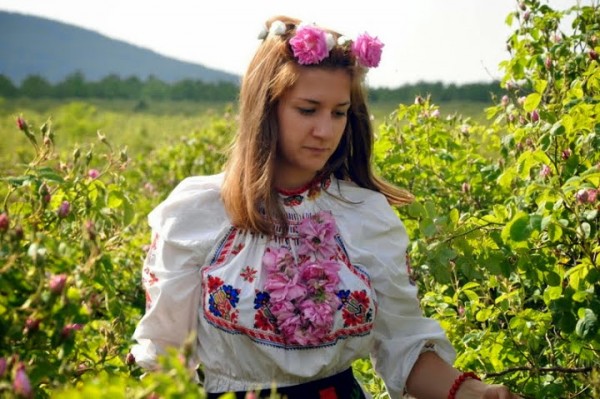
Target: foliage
{"type": "Point", "coordinates": [505, 229]}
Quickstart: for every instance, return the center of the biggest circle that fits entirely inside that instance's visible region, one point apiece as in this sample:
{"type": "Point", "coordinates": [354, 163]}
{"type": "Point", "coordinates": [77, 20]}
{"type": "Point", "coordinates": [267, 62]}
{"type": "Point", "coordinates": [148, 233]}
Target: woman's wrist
{"type": "Point", "coordinates": [471, 389]}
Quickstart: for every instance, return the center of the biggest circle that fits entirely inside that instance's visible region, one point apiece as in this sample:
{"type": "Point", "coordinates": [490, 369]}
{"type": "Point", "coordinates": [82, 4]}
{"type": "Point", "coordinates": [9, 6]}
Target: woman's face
{"type": "Point", "coordinates": [312, 117]}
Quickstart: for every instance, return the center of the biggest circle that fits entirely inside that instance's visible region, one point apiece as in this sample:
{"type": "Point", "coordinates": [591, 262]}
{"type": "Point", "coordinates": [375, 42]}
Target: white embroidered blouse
{"type": "Point", "coordinates": [290, 309]}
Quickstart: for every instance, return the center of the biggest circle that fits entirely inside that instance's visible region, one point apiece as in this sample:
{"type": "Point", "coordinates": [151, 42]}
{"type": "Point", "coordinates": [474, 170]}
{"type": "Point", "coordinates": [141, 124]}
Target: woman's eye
{"type": "Point", "coordinates": [306, 111]}
{"type": "Point", "coordinates": [340, 114]}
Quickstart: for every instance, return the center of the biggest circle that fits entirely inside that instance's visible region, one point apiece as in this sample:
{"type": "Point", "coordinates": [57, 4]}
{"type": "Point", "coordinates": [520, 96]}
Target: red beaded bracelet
{"type": "Point", "coordinates": [458, 382]}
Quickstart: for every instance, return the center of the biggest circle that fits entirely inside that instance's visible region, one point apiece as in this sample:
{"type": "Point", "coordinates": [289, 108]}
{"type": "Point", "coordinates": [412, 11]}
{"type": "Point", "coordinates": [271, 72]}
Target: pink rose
{"type": "Point", "coordinates": [4, 221]}
{"type": "Point", "coordinates": [93, 173]}
{"type": "Point", "coordinates": [21, 384]}
{"type": "Point", "coordinates": [57, 283]}
{"type": "Point", "coordinates": [279, 260]}
{"type": "Point", "coordinates": [309, 45]}
{"type": "Point", "coordinates": [367, 50]}
{"type": "Point", "coordinates": [282, 287]}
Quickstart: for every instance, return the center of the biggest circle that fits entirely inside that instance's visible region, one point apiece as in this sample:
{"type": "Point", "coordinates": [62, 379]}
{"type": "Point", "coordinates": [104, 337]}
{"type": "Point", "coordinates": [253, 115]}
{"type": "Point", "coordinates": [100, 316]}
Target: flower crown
{"type": "Point", "coordinates": [311, 44]}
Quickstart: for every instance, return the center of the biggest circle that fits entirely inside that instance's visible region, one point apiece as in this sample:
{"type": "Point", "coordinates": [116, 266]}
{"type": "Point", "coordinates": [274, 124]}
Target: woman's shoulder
{"type": "Point", "coordinates": [194, 207]}
{"type": "Point", "coordinates": [363, 211]}
{"type": "Point", "coordinates": [361, 198]}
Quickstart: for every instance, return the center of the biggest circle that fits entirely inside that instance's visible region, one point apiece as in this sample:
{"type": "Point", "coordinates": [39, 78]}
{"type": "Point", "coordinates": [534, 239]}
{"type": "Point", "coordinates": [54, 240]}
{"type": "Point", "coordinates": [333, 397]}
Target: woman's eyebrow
{"type": "Point", "coordinates": [309, 100]}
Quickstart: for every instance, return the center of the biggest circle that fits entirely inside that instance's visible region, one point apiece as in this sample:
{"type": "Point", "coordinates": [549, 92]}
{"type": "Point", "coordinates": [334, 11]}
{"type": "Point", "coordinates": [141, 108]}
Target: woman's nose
{"type": "Point", "coordinates": [324, 126]}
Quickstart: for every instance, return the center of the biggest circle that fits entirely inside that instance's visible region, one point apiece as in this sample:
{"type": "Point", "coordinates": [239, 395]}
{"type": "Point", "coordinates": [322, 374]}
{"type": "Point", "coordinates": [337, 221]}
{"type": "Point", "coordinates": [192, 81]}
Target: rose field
{"type": "Point", "coordinates": [505, 226]}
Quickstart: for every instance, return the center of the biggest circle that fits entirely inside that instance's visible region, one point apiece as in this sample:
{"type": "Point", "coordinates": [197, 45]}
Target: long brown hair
{"type": "Point", "coordinates": [248, 193]}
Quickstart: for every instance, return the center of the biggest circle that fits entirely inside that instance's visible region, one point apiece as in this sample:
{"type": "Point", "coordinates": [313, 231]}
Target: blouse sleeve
{"type": "Point", "coordinates": [184, 229]}
{"type": "Point", "coordinates": [401, 332]}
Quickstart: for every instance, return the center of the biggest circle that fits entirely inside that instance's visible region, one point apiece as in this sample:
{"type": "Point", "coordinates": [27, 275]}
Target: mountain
{"type": "Point", "coordinates": [32, 45]}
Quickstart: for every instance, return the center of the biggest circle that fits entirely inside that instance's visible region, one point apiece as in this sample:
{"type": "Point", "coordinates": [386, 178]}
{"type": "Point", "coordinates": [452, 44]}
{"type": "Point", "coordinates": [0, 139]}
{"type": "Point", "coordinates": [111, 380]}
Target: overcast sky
{"type": "Point", "coordinates": [433, 40]}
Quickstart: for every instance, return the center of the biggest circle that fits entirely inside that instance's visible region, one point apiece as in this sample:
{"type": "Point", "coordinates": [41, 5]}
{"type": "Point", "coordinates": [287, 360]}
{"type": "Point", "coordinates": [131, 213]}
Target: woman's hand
{"type": "Point", "coordinates": [473, 389]}
{"type": "Point", "coordinates": [498, 392]}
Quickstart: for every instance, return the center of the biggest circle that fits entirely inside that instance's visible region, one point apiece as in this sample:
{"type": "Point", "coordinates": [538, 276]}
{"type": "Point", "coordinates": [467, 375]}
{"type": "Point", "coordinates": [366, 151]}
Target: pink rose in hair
{"type": "Point", "coordinates": [309, 45]}
{"type": "Point", "coordinates": [367, 50]}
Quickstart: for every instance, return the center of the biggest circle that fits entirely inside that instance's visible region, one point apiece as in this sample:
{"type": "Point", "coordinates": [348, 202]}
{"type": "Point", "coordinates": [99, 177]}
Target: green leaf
{"type": "Point", "coordinates": [553, 279]}
{"type": "Point", "coordinates": [518, 228]}
{"type": "Point", "coordinates": [540, 85]}
{"type": "Point", "coordinates": [532, 101]}
{"type": "Point", "coordinates": [416, 210]}
{"type": "Point", "coordinates": [555, 232]}
{"type": "Point", "coordinates": [587, 326]}
{"type": "Point", "coordinates": [50, 174]}
{"type": "Point", "coordinates": [558, 129]}
{"type": "Point", "coordinates": [115, 199]}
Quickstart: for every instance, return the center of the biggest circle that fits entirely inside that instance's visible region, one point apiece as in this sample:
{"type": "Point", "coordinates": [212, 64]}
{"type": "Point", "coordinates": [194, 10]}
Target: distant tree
{"type": "Point", "coordinates": [132, 88]}
{"type": "Point", "coordinates": [7, 88]}
{"type": "Point", "coordinates": [108, 87]}
{"type": "Point", "coordinates": [35, 86]}
{"type": "Point", "coordinates": [74, 86]}
{"type": "Point", "coordinates": [155, 89]}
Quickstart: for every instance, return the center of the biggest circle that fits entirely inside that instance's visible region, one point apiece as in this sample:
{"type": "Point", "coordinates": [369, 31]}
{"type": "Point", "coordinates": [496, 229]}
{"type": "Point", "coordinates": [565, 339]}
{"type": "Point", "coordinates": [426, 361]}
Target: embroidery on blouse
{"type": "Point", "coordinates": [248, 274]}
{"type": "Point", "coordinates": [148, 276]}
{"type": "Point", "coordinates": [223, 299]}
{"type": "Point", "coordinates": [298, 303]}
{"type": "Point", "coordinates": [355, 307]}
{"type": "Point", "coordinates": [313, 190]}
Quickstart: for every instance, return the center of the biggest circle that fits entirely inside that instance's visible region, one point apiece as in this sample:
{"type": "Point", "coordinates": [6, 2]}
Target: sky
{"type": "Point", "coordinates": [460, 41]}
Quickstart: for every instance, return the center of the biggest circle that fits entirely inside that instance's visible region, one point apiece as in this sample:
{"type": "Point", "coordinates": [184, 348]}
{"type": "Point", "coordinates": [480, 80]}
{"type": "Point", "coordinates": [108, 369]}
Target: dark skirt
{"type": "Point", "coordinates": [338, 386]}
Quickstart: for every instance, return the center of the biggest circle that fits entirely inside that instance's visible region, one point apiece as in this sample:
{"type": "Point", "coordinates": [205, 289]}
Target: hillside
{"type": "Point", "coordinates": [32, 45]}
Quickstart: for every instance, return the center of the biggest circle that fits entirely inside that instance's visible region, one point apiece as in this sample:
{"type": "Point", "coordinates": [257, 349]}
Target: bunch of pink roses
{"type": "Point", "coordinates": [303, 291]}
{"type": "Point", "coordinates": [311, 45]}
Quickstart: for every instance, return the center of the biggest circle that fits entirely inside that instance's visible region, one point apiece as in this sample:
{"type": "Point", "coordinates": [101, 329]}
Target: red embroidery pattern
{"type": "Point", "coordinates": [148, 277]}
{"type": "Point", "coordinates": [355, 308]}
{"type": "Point", "coordinates": [236, 250]}
{"type": "Point", "coordinates": [249, 274]}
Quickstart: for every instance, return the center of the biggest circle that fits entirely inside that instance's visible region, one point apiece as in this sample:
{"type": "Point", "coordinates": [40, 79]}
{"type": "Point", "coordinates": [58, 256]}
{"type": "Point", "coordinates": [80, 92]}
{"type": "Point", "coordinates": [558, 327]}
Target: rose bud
{"type": "Point", "coordinates": [435, 113]}
{"type": "Point", "coordinates": [545, 171]}
{"type": "Point", "coordinates": [522, 6]}
{"type": "Point", "coordinates": [582, 196]}
{"type": "Point", "coordinates": [130, 359]}
{"type": "Point", "coordinates": [548, 63]}
{"type": "Point", "coordinates": [90, 229]}
{"type": "Point", "coordinates": [505, 100]}
{"type": "Point", "coordinates": [68, 329]}
{"type": "Point", "coordinates": [3, 366]}
{"type": "Point", "coordinates": [593, 55]}
{"type": "Point", "coordinates": [592, 195]}
{"type": "Point", "coordinates": [64, 209]}
{"type": "Point", "coordinates": [465, 188]}
{"type": "Point", "coordinates": [535, 116]}
{"type": "Point", "coordinates": [566, 153]}
{"type": "Point", "coordinates": [522, 120]}
{"type": "Point", "coordinates": [21, 383]}
{"type": "Point", "coordinates": [93, 173]}
{"type": "Point", "coordinates": [31, 325]}
{"type": "Point", "coordinates": [419, 100]}
{"type": "Point", "coordinates": [57, 283]}
{"type": "Point", "coordinates": [511, 118]}
{"type": "Point", "coordinates": [18, 233]}
{"type": "Point", "coordinates": [21, 124]}
{"type": "Point", "coordinates": [4, 221]}
{"type": "Point", "coordinates": [526, 15]}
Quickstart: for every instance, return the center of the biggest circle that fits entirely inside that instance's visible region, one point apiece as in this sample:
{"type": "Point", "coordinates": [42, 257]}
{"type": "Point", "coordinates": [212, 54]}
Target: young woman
{"type": "Point", "coordinates": [292, 264]}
